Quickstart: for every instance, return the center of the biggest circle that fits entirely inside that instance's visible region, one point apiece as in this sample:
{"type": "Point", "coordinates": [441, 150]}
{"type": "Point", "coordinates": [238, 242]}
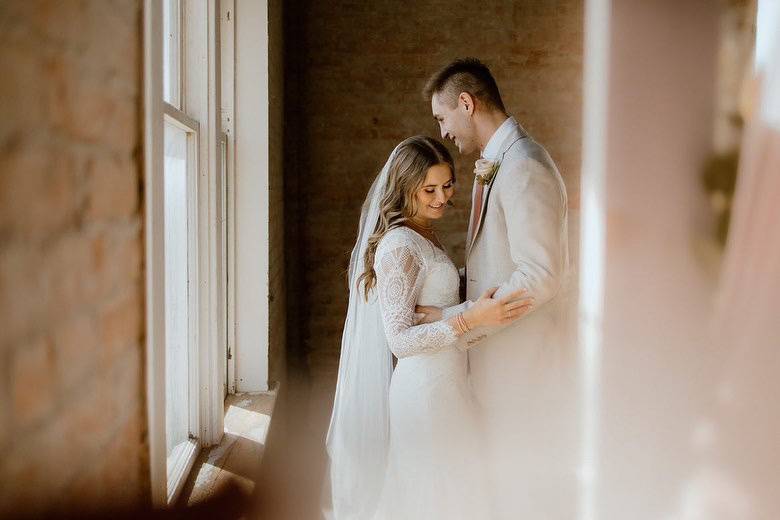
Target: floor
{"type": "Point", "coordinates": [237, 457]}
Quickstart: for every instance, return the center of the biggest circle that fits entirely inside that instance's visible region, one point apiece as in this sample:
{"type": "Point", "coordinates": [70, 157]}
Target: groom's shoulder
{"type": "Point", "coordinates": [529, 158]}
{"type": "Point", "coordinates": [529, 150]}
{"type": "Point", "coordinates": [529, 165]}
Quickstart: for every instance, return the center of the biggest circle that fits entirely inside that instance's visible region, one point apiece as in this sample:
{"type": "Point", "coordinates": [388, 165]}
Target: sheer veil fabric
{"type": "Point", "coordinates": [358, 435]}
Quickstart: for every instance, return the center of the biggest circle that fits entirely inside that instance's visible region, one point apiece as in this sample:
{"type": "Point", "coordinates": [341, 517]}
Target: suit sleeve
{"type": "Point", "coordinates": [534, 207]}
{"type": "Point", "coordinates": [533, 204]}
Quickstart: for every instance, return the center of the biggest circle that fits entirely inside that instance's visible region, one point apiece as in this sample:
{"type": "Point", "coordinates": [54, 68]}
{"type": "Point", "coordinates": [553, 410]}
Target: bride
{"type": "Point", "coordinates": [404, 444]}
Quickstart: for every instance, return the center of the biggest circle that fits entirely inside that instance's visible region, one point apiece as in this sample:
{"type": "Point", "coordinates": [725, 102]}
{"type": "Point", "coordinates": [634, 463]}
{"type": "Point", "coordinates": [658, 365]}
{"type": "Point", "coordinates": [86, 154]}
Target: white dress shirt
{"type": "Point", "coordinates": [493, 146]}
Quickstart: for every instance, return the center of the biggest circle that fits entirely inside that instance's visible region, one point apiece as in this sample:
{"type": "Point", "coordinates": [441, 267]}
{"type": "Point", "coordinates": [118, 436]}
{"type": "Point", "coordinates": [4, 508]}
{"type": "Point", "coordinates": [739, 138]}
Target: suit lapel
{"type": "Point", "coordinates": [516, 134]}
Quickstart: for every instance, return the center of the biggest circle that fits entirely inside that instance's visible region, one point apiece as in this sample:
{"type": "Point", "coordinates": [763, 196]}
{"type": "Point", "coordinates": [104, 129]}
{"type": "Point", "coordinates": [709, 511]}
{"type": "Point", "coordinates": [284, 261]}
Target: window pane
{"type": "Point", "coordinates": [176, 291]}
{"type": "Point", "coordinates": [765, 32]}
{"type": "Point", "coordinates": [171, 52]}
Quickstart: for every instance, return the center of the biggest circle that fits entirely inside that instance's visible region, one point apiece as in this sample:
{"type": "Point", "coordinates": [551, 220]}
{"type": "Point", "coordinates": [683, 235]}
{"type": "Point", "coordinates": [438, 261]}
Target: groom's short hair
{"type": "Point", "coordinates": [465, 75]}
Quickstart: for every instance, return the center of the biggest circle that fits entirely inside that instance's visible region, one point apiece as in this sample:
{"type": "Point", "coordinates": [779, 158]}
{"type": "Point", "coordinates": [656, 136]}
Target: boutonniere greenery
{"type": "Point", "coordinates": [485, 170]}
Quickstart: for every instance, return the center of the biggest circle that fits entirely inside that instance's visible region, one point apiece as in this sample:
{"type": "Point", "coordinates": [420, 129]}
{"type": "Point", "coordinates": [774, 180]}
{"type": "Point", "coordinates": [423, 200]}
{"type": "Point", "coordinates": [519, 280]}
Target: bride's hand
{"type": "Point", "coordinates": [429, 314]}
{"type": "Point", "coordinates": [488, 311]}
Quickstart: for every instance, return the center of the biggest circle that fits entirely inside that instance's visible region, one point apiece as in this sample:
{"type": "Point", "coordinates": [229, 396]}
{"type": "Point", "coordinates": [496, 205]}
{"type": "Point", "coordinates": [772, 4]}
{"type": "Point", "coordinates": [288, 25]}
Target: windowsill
{"type": "Point", "coordinates": [180, 465]}
{"type": "Point", "coordinates": [237, 457]}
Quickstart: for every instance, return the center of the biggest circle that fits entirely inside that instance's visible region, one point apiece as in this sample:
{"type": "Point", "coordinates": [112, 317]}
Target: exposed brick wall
{"type": "Point", "coordinates": [72, 421]}
{"type": "Point", "coordinates": [355, 72]}
{"type": "Point", "coordinates": [277, 312]}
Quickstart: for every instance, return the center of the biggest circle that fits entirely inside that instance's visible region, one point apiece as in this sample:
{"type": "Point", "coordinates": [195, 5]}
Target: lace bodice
{"type": "Point", "coordinates": [411, 271]}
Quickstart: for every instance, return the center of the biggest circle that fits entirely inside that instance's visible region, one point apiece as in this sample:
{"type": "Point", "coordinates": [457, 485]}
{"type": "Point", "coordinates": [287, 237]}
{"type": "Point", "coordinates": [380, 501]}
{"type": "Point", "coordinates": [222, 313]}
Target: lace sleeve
{"type": "Point", "coordinates": [399, 281]}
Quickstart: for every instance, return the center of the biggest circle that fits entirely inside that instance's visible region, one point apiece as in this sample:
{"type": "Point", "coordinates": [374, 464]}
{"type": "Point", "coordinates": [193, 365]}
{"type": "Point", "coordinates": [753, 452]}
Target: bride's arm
{"type": "Point", "coordinates": [399, 281]}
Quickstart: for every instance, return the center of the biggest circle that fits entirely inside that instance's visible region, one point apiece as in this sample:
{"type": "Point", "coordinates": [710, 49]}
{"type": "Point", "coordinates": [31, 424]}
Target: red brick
{"type": "Point", "coordinates": [122, 481]}
{"type": "Point", "coordinates": [70, 255]}
{"type": "Point", "coordinates": [125, 379]}
{"type": "Point", "coordinates": [32, 376]}
{"type": "Point", "coordinates": [22, 292]}
{"type": "Point", "coordinates": [59, 22]}
{"type": "Point", "coordinates": [124, 124]}
{"type": "Point", "coordinates": [120, 59]}
{"type": "Point", "coordinates": [119, 325]}
{"type": "Point", "coordinates": [89, 422]}
{"type": "Point", "coordinates": [75, 350]}
{"type": "Point", "coordinates": [30, 481]}
{"type": "Point", "coordinates": [38, 189]}
{"type": "Point", "coordinates": [23, 94]}
{"type": "Point", "coordinates": [87, 110]}
{"type": "Point", "coordinates": [5, 417]}
{"type": "Point", "coordinates": [113, 188]}
{"type": "Point", "coordinates": [115, 259]}
{"type": "Point", "coordinates": [65, 272]}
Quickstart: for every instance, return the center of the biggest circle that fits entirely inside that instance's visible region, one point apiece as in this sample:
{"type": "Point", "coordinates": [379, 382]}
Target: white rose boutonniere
{"type": "Point", "coordinates": [485, 170]}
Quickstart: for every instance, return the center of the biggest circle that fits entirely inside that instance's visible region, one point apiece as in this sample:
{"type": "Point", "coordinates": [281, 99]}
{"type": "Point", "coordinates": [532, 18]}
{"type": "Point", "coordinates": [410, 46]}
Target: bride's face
{"type": "Point", "coordinates": [438, 187]}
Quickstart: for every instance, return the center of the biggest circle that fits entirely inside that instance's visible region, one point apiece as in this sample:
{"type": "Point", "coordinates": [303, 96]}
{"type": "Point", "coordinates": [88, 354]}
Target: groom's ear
{"type": "Point", "coordinates": [466, 102]}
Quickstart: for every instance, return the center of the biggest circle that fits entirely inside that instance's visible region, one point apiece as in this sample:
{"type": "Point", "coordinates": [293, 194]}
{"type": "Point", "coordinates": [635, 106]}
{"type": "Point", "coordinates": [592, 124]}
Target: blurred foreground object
{"type": "Point", "coordinates": [228, 503]}
{"type": "Point", "coordinates": [739, 443]}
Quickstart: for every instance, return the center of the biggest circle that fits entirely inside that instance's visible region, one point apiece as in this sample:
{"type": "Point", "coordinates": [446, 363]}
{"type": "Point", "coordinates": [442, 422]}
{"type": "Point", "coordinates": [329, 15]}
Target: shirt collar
{"type": "Point", "coordinates": [493, 146]}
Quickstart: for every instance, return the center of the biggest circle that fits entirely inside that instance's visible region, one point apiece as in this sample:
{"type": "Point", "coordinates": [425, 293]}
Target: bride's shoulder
{"type": "Point", "coordinates": [399, 237]}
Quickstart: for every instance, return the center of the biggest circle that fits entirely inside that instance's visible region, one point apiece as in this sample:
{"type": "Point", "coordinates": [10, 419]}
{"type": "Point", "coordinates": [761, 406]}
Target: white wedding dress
{"type": "Point", "coordinates": [434, 463]}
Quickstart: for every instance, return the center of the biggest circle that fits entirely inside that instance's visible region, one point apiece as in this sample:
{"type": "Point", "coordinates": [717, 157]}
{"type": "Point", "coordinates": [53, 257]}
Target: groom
{"type": "Point", "coordinates": [517, 238]}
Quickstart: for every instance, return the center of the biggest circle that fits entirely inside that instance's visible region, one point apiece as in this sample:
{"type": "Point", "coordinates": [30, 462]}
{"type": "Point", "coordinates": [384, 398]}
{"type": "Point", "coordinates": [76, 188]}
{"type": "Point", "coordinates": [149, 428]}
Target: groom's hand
{"type": "Point", "coordinates": [429, 314]}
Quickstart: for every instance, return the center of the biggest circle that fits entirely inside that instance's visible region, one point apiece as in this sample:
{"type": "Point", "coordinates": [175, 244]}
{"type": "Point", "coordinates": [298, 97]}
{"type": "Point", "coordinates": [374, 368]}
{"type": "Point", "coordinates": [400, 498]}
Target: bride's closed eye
{"type": "Point", "coordinates": [433, 190]}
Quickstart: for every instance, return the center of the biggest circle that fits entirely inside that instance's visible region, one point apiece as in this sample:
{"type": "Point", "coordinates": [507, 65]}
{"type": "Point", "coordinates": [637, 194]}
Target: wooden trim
{"type": "Point", "coordinates": [154, 224]}
{"type": "Point", "coordinates": [227, 102]}
{"type": "Point", "coordinates": [180, 119]}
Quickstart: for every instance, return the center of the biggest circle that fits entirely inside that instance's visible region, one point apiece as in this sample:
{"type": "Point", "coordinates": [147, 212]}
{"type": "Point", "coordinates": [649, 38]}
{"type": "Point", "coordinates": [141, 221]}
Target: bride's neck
{"type": "Point", "coordinates": [419, 223]}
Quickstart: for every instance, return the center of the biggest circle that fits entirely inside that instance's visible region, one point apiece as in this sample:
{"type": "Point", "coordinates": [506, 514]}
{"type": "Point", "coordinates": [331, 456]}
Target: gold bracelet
{"type": "Point", "coordinates": [464, 327]}
{"type": "Point", "coordinates": [458, 325]}
{"type": "Point", "coordinates": [465, 323]}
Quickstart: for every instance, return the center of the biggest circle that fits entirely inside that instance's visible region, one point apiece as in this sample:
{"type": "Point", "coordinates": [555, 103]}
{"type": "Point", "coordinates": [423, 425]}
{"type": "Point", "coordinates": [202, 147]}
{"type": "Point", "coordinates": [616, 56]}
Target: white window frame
{"type": "Point", "coordinates": [154, 221]}
{"type": "Point", "coordinates": [178, 472]}
{"type": "Point", "coordinates": [227, 266]}
{"type": "Point", "coordinates": [227, 35]}
{"type": "Point", "coordinates": [251, 202]}
{"type": "Point", "coordinates": [198, 112]}
{"type": "Point", "coordinates": [178, 67]}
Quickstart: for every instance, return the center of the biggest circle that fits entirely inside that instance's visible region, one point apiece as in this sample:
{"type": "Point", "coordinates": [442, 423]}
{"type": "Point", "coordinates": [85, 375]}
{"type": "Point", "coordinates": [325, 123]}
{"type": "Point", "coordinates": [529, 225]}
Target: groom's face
{"type": "Point", "coordinates": [455, 122]}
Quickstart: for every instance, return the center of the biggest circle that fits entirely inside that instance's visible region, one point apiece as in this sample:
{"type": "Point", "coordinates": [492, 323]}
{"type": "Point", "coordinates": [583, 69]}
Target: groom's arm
{"type": "Point", "coordinates": [534, 207]}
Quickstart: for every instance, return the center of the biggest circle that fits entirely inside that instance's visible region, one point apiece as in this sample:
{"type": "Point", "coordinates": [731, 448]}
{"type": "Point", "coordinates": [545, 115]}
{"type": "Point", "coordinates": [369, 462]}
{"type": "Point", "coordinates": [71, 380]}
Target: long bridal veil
{"type": "Point", "coordinates": [358, 434]}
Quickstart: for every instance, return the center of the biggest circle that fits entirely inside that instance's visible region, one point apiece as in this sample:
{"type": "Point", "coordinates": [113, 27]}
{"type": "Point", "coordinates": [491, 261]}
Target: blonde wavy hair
{"type": "Point", "coordinates": [407, 171]}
